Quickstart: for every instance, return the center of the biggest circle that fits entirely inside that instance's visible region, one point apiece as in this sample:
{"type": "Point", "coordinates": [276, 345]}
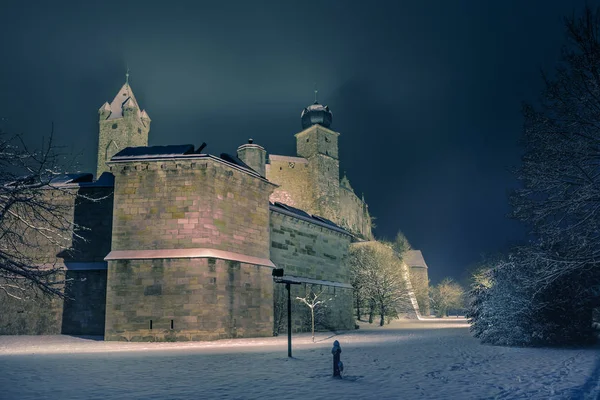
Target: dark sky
{"type": "Point", "coordinates": [426, 94]}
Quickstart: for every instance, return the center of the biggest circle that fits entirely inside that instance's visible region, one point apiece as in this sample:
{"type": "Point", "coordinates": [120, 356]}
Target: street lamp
{"type": "Point", "coordinates": [278, 278]}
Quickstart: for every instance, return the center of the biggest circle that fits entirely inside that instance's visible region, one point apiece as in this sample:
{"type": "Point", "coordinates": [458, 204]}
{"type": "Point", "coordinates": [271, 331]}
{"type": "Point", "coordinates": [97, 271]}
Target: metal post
{"type": "Point", "coordinates": [289, 315]}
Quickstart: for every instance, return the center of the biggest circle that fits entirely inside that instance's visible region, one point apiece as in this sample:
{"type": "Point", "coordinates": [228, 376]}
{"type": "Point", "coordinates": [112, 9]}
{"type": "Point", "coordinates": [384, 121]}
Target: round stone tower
{"type": "Point", "coordinates": [253, 155]}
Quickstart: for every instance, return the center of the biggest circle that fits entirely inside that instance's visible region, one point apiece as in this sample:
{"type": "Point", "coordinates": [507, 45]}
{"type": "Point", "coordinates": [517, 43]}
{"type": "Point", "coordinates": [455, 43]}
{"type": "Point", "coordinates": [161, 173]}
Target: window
{"type": "Point", "coordinates": [114, 126]}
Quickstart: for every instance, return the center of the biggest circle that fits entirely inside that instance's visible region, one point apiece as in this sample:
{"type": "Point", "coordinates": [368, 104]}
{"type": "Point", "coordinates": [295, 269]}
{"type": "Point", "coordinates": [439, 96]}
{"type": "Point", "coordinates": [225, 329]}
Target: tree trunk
{"type": "Point", "coordinates": [312, 317]}
{"type": "Point", "coordinates": [382, 320]}
{"type": "Point", "coordinates": [357, 307]}
{"type": "Point", "coordinates": [371, 311]}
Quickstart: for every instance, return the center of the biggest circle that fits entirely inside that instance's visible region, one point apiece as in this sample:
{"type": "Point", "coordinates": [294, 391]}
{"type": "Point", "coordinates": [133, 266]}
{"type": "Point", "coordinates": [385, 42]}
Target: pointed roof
{"type": "Point", "coordinates": [345, 182]}
{"type": "Point", "coordinates": [105, 107]}
{"type": "Point", "coordinates": [414, 258]}
{"type": "Point", "coordinates": [125, 95]}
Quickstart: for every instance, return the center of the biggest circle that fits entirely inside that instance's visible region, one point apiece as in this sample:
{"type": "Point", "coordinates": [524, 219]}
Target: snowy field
{"type": "Point", "coordinates": [435, 359]}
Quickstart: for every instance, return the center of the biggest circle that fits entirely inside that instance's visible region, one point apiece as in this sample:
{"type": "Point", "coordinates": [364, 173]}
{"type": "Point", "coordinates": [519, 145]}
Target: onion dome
{"type": "Point", "coordinates": [316, 114]}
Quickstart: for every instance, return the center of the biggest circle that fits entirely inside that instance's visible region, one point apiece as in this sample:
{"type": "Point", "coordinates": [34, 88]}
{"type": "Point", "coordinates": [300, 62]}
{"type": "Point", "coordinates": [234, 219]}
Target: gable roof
{"type": "Point", "coordinates": [414, 258]}
{"type": "Point", "coordinates": [124, 95]}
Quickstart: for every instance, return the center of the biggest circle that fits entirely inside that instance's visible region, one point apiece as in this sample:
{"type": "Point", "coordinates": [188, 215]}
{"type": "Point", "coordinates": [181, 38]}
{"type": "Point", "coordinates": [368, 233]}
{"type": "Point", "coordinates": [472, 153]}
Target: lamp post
{"type": "Point", "coordinates": [278, 278]}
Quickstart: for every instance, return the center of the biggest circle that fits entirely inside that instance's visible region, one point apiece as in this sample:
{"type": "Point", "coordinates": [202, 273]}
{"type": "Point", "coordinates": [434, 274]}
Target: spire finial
{"type": "Point", "coordinates": [127, 76]}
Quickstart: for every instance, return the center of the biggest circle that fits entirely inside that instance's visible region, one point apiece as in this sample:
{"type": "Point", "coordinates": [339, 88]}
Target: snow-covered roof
{"type": "Point", "coordinates": [179, 152]}
{"type": "Point", "coordinates": [414, 258]}
{"type": "Point", "coordinates": [299, 279]}
{"type": "Point", "coordinates": [124, 99]}
{"type": "Point", "coordinates": [154, 151]}
{"type": "Point", "coordinates": [116, 106]}
{"type": "Point", "coordinates": [83, 179]}
{"type": "Point", "coordinates": [300, 214]}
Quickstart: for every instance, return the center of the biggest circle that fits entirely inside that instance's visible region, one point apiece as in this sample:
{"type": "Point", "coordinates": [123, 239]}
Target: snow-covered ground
{"type": "Point", "coordinates": [404, 360]}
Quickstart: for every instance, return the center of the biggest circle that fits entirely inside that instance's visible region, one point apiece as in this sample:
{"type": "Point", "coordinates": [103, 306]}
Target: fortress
{"type": "Point", "coordinates": [180, 244]}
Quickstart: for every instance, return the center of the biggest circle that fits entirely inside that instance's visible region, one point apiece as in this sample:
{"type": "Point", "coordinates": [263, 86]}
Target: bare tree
{"type": "Point", "coordinates": [445, 296]}
{"type": "Point", "coordinates": [313, 299]}
{"type": "Point", "coordinates": [34, 217]}
{"type": "Point", "coordinates": [560, 198]}
{"type": "Point", "coordinates": [380, 271]}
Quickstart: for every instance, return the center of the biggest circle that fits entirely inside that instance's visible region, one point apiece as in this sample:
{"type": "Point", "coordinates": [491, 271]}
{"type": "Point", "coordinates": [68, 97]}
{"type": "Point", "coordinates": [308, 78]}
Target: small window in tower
{"type": "Point", "coordinates": [307, 140]}
{"type": "Point", "coordinates": [114, 126]}
{"type": "Point", "coordinates": [326, 139]}
{"type": "Point", "coordinates": [139, 130]}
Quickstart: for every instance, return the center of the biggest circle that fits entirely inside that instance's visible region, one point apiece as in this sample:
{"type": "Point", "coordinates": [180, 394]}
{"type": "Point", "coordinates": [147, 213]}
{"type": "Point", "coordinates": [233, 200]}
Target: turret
{"type": "Point", "coordinates": [253, 155]}
{"type": "Point", "coordinates": [122, 124]}
{"type": "Point", "coordinates": [319, 145]}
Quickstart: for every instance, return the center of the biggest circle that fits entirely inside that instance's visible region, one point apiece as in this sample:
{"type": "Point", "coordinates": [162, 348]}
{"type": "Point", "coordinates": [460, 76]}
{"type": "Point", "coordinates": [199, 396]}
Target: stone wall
{"type": "Point", "coordinates": [190, 203]}
{"type": "Point", "coordinates": [188, 299]}
{"type": "Point", "coordinates": [354, 215]}
{"type": "Point", "coordinates": [253, 156]}
{"type": "Point", "coordinates": [116, 134]}
{"type": "Point", "coordinates": [317, 139]}
{"type": "Point", "coordinates": [292, 174]}
{"type": "Point", "coordinates": [325, 172]}
{"type": "Point", "coordinates": [305, 249]}
{"type": "Point", "coordinates": [82, 313]}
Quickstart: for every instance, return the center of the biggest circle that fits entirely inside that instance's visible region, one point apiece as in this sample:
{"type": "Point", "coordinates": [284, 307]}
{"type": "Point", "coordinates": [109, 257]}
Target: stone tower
{"type": "Point", "coordinates": [122, 124]}
{"type": "Point", "coordinates": [254, 156]}
{"type": "Point", "coordinates": [319, 145]}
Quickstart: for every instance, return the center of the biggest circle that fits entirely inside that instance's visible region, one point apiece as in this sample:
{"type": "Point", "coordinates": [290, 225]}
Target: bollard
{"type": "Point", "coordinates": [336, 359]}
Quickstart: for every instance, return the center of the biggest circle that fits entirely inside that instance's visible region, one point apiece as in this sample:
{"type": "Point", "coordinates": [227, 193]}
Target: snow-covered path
{"type": "Point", "coordinates": [404, 360]}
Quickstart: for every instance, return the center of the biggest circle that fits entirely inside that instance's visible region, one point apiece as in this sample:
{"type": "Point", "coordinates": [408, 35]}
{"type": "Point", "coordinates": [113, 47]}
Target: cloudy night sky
{"type": "Point", "coordinates": [426, 95]}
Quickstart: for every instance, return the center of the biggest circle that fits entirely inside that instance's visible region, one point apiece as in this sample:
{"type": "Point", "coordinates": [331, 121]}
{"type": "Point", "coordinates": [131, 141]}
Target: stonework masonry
{"type": "Point", "coordinates": [304, 249]}
{"type": "Point", "coordinates": [188, 203]}
{"type": "Point", "coordinates": [311, 182]}
{"type": "Point", "coordinates": [182, 245]}
{"type": "Point", "coordinates": [293, 176]}
{"type": "Point", "coordinates": [82, 262]}
{"type": "Point", "coordinates": [254, 156]}
{"type": "Point", "coordinates": [187, 299]}
{"type": "Point", "coordinates": [121, 124]}
{"type": "Point", "coordinates": [354, 214]}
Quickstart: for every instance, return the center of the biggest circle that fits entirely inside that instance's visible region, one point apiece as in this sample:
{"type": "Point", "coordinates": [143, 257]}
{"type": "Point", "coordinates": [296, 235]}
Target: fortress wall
{"type": "Point", "coordinates": [326, 181]}
{"type": "Point", "coordinates": [190, 203]}
{"type": "Point", "coordinates": [352, 215]}
{"type": "Point", "coordinates": [83, 267]}
{"type": "Point", "coordinates": [292, 174]}
{"type": "Point", "coordinates": [206, 299]}
{"type": "Point", "coordinates": [304, 249]}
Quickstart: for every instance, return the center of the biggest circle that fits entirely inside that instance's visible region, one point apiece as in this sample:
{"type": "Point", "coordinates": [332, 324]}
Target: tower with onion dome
{"type": "Point", "coordinates": [319, 145]}
{"type": "Point", "coordinates": [122, 124]}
